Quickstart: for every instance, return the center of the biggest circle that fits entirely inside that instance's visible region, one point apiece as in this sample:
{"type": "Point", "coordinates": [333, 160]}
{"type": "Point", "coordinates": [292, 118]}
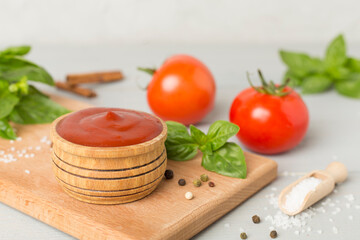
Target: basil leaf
{"type": "Point", "coordinates": [35, 108]}
{"type": "Point", "coordinates": [219, 132]}
{"type": "Point", "coordinates": [338, 73]}
{"type": "Point", "coordinates": [229, 160]}
{"type": "Point", "coordinates": [14, 68]}
{"type": "Point", "coordinates": [353, 64]}
{"type": "Point", "coordinates": [180, 146]}
{"type": "Point", "coordinates": [349, 88]}
{"type": "Point", "coordinates": [16, 51]}
{"type": "Point", "coordinates": [8, 101]}
{"type": "Point", "coordinates": [301, 64]}
{"type": "Point", "coordinates": [336, 52]}
{"type": "Point", "coordinates": [6, 131]}
{"type": "Point", "coordinates": [294, 80]}
{"type": "Point", "coordinates": [316, 84]}
{"type": "Point", "coordinates": [197, 135]}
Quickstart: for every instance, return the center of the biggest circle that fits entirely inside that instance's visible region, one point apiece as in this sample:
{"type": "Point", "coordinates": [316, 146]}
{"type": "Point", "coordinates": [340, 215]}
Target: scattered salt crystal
{"type": "Point", "coordinates": [32, 155]}
{"type": "Point", "coordinates": [38, 148]}
{"type": "Point", "coordinates": [308, 229]}
{"type": "Point", "coordinates": [319, 231]}
{"type": "Point", "coordinates": [48, 142]}
{"type": "Point", "coordinates": [12, 149]}
{"type": "Point", "coordinates": [332, 204]}
{"type": "Point", "coordinates": [26, 155]}
{"type": "Point", "coordinates": [23, 151]}
{"type": "Point", "coordinates": [335, 230]}
{"type": "Point", "coordinates": [2, 152]}
{"type": "Point", "coordinates": [18, 139]}
{"type": "Point", "coordinates": [357, 206]}
{"type": "Point", "coordinates": [297, 232]}
{"type": "Point", "coordinates": [347, 205]}
{"type": "Point", "coordinates": [27, 171]}
{"type": "Point", "coordinates": [227, 225]}
{"type": "Point", "coordinates": [350, 197]}
{"type": "Point", "coordinates": [11, 141]}
{"type": "Point", "coordinates": [20, 155]}
{"type": "Point", "coordinates": [351, 217]}
{"type": "Point", "coordinates": [302, 230]}
{"type": "Point", "coordinates": [331, 220]}
{"type": "Point", "coordinates": [296, 196]}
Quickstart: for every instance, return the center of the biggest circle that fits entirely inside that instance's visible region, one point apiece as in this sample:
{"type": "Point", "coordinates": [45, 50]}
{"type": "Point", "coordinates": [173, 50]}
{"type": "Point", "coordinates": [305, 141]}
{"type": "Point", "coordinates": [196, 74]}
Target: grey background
{"type": "Point", "coordinates": [333, 133]}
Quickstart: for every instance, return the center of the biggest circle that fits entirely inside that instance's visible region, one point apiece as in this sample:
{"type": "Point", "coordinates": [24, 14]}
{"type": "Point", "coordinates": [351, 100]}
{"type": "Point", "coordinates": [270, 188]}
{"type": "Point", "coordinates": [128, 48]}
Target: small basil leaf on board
{"type": "Point", "coordinates": [336, 52]}
{"type": "Point", "coordinates": [229, 160]}
{"type": "Point", "coordinates": [8, 101]}
{"type": "Point", "coordinates": [6, 131]}
{"type": "Point", "coordinates": [14, 68]}
{"type": "Point", "coordinates": [206, 149]}
{"type": "Point", "coordinates": [35, 108]}
{"type": "Point", "coordinates": [181, 151]}
{"type": "Point", "coordinates": [180, 146]}
{"type": "Point", "coordinates": [219, 132]}
{"type": "Point", "coordinates": [16, 51]}
{"type": "Point", "coordinates": [198, 136]}
{"type": "Point", "coordinates": [349, 88]}
{"type": "Point", "coordinates": [316, 84]}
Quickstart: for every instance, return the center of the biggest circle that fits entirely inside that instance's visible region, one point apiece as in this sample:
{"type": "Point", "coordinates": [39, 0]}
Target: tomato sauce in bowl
{"type": "Point", "coordinates": [108, 127]}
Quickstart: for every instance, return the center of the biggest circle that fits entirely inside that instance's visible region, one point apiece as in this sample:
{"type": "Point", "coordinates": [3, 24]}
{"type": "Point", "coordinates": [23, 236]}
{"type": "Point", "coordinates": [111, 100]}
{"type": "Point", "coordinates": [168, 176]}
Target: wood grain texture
{"type": "Point", "coordinates": [165, 214]}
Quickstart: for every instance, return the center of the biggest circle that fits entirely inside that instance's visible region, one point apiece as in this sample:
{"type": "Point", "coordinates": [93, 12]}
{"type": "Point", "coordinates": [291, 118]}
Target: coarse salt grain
{"type": "Point", "coordinates": [27, 171]}
{"type": "Point", "coordinates": [38, 148]}
{"type": "Point", "coordinates": [351, 217]}
{"type": "Point", "coordinates": [335, 230]}
{"type": "Point", "coordinates": [297, 232]}
{"type": "Point", "coordinates": [295, 198]}
{"type": "Point", "coordinates": [227, 225]}
{"type": "Point", "coordinates": [319, 231]}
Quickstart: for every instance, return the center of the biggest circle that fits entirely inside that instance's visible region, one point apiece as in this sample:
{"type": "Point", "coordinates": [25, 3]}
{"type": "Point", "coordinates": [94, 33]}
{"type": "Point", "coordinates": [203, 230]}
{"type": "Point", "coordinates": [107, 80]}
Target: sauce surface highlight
{"type": "Point", "coordinates": [108, 127]}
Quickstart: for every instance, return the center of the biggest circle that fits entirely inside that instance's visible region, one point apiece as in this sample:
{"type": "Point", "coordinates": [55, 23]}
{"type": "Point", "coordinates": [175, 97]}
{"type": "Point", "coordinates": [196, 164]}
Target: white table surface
{"type": "Point", "coordinates": [334, 133]}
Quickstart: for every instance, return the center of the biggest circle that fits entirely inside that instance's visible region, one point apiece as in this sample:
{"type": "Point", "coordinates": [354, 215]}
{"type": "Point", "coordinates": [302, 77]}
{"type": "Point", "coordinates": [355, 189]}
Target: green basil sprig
{"type": "Point", "coordinates": [315, 75]}
{"type": "Point", "coordinates": [21, 102]}
{"type": "Point", "coordinates": [220, 156]}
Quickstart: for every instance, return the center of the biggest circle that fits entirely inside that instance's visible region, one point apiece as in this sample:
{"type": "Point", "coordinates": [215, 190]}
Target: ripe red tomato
{"type": "Point", "coordinates": [182, 90]}
{"type": "Point", "coordinates": [268, 123]}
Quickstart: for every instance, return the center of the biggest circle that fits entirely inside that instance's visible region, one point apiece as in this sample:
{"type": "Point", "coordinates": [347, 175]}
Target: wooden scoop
{"type": "Point", "coordinates": [335, 172]}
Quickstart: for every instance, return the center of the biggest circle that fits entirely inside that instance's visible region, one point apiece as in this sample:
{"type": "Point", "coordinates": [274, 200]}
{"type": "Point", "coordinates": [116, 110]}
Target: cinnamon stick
{"type": "Point", "coordinates": [85, 92]}
{"type": "Point", "coordinates": [95, 77]}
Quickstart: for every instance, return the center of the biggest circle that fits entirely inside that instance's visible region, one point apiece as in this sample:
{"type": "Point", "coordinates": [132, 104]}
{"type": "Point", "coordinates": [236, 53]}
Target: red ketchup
{"type": "Point", "coordinates": [108, 127]}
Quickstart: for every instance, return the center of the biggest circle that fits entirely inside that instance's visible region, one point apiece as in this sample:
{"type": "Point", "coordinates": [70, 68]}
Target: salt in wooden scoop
{"type": "Point", "coordinates": [323, 183]}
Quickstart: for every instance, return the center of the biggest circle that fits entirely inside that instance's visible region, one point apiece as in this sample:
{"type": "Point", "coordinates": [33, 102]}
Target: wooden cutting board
{"type": "Point", "coordinates": [28, 184]}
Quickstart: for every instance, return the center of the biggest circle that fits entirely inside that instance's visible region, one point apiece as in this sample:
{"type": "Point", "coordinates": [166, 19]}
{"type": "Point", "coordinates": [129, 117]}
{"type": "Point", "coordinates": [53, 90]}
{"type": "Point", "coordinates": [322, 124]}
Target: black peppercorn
{"type": "Point", "coordinates": [169, 174]}
{"type": "Point", "coordinates": [182, 182]}
{"type": "Point", "coordinates": [256, 219]}
{"type": "Point", "coordinates": [243, 235]}
{"type": "Point", "coordinates": [211, 184]}
{"type": "Point", "coordinates": [273, 234]}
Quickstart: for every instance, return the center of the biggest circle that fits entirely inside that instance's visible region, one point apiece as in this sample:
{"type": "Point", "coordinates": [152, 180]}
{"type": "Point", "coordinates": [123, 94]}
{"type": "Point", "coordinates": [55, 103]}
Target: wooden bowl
{"type": "Point", "coordinates": [108, 175]}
